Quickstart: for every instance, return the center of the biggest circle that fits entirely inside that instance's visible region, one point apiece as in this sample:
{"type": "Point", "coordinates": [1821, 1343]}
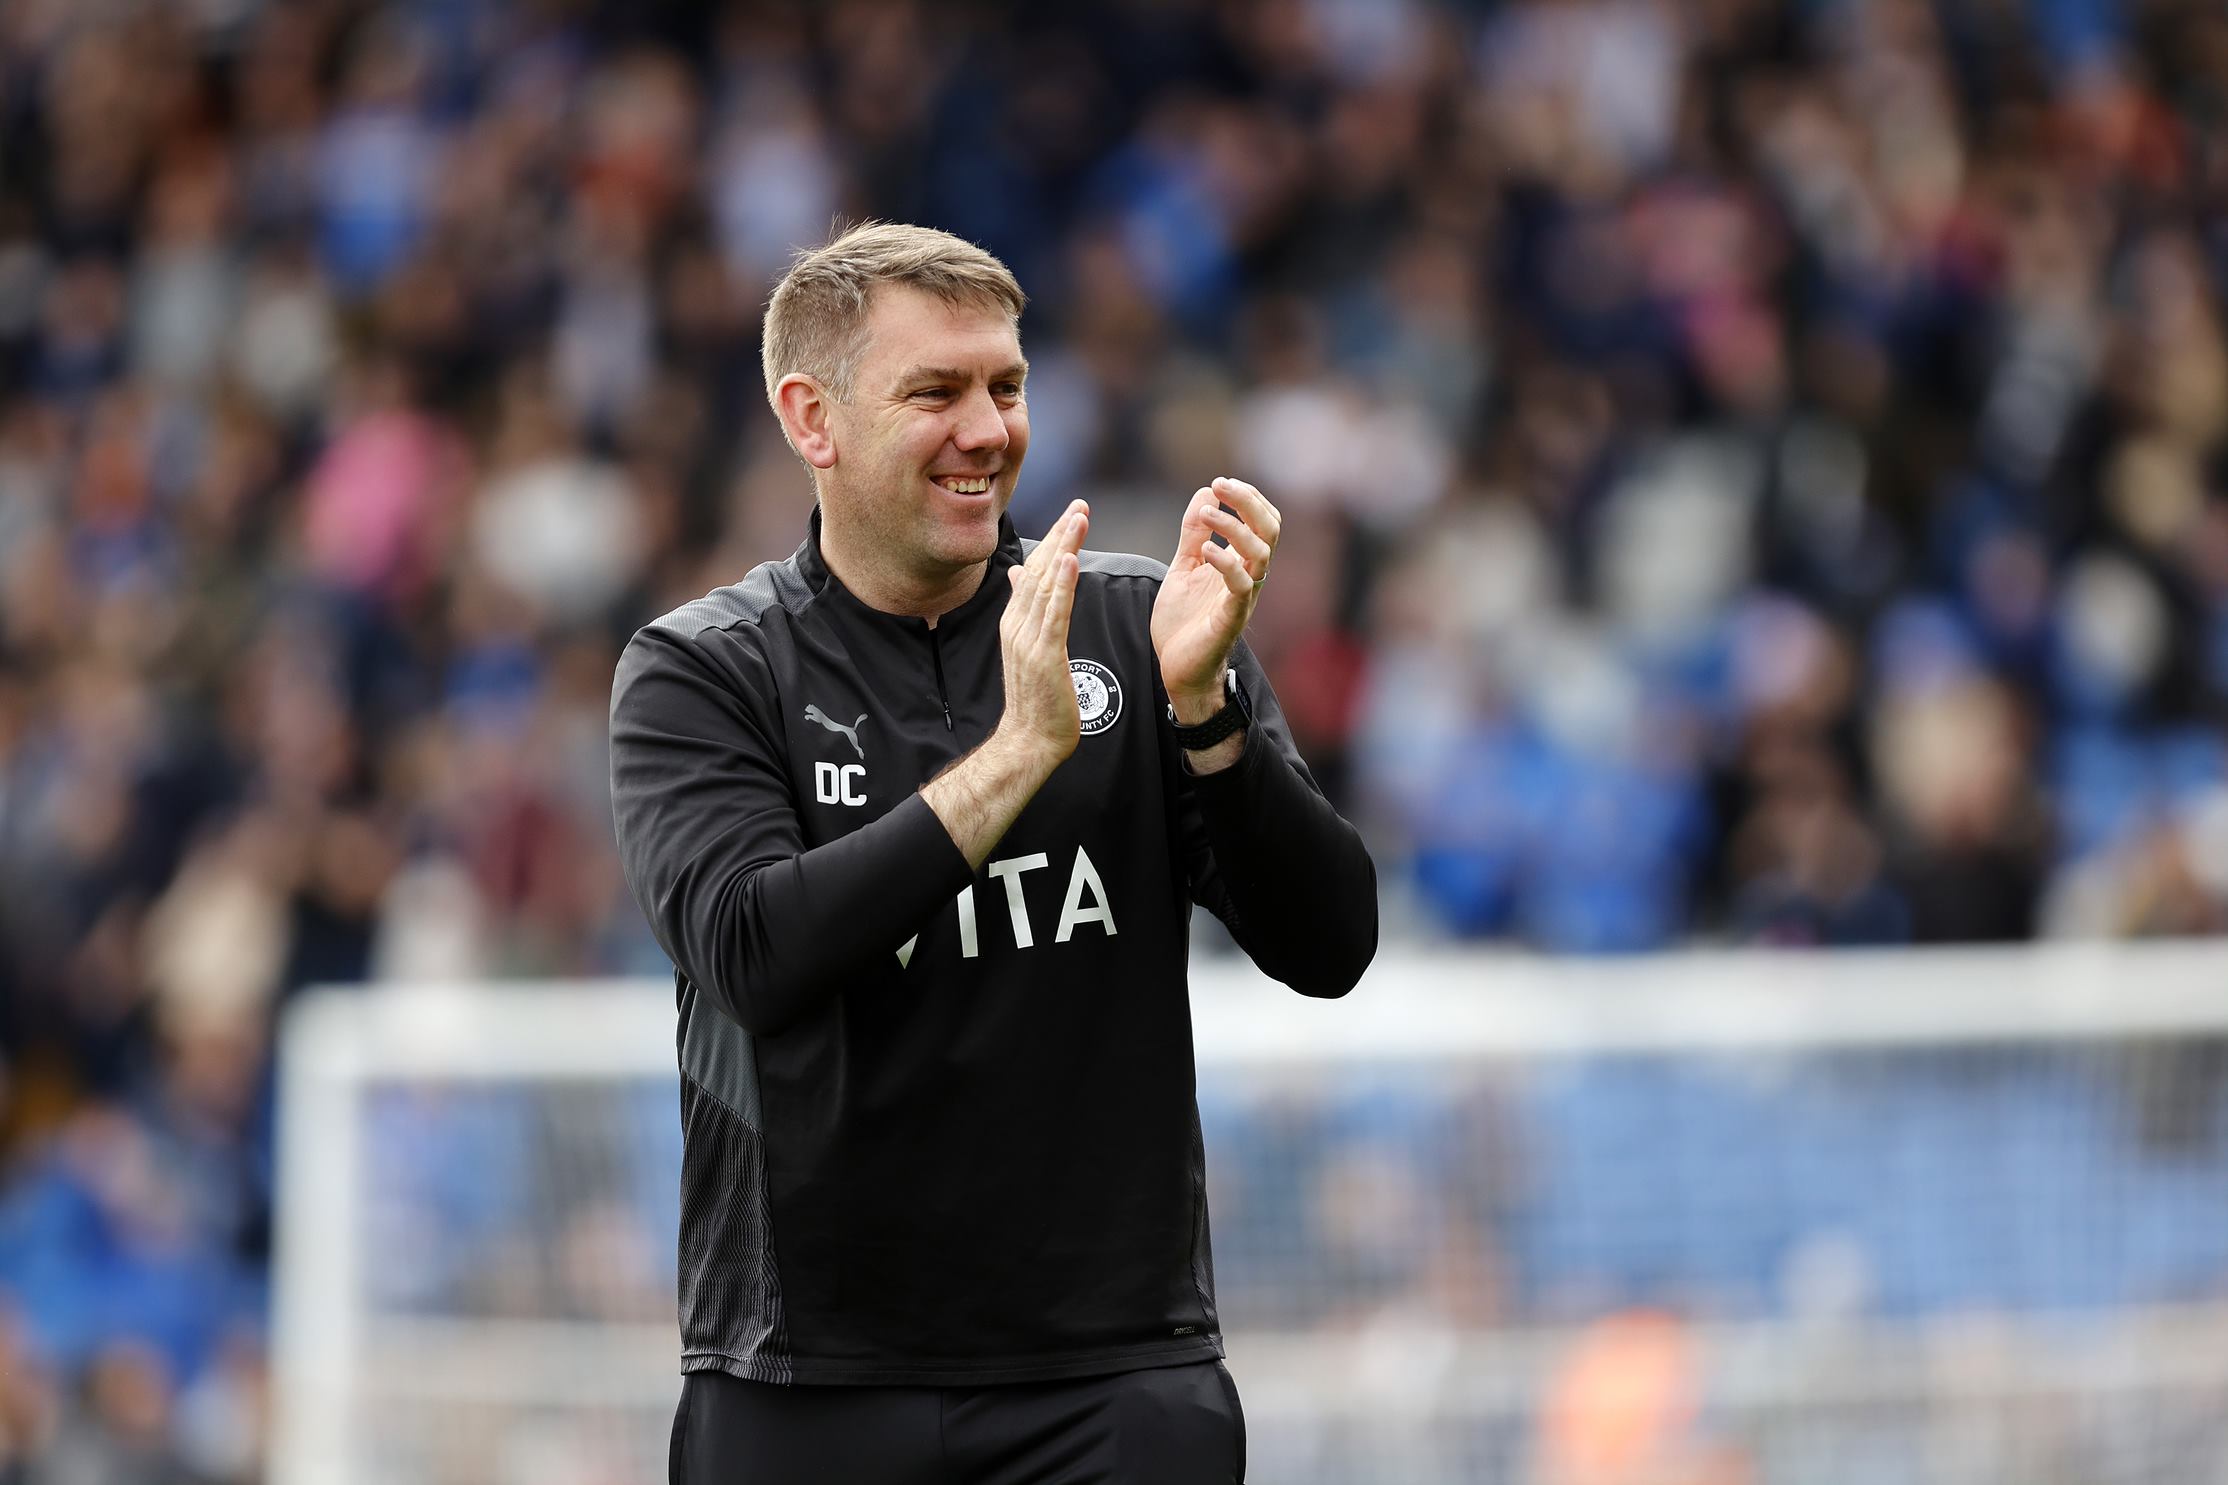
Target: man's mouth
{"type": "Point", "coordinates": [965, 484]}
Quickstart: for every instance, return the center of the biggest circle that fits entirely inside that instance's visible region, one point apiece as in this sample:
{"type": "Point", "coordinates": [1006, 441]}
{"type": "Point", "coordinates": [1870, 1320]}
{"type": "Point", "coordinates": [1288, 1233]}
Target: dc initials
{"type": "Point", "coordinates": [833, 784]}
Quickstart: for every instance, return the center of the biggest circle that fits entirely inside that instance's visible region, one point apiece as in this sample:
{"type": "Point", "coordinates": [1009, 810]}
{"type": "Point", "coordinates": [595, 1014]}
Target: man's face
{"type": "Point", "coordinates": [930, 444]}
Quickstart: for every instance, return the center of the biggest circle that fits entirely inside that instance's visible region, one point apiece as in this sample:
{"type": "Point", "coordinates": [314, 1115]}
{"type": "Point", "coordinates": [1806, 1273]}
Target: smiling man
{"type": "Point", "coordinates": [919, 813]}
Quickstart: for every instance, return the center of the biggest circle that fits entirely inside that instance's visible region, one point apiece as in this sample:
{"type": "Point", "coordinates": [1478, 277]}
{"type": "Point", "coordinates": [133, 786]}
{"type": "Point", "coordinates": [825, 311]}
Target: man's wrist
{"type": "Point", "coordinates": [1194, 707]}
{"type": "Point", "coordinates": [980, 795]}
{"type": "Point", "coordinates": [1017, 751]}
{"type": "Point", "coordinates": [1212, 735]}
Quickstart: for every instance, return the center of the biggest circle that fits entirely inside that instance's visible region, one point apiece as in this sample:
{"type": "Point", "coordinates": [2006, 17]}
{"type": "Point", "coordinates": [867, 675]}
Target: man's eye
{"type": "Point", "coordinates": [1008, 389]}
{"type": "Point", "coordinates": [933, 392]}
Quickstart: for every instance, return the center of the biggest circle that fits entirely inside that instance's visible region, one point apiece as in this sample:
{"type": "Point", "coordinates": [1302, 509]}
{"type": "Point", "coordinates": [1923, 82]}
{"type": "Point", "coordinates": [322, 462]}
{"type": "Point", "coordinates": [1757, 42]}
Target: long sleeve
{"type": "Point", "coordinates": [713, 850]}
{"type": "Point", "coordinates": [1268, 855]}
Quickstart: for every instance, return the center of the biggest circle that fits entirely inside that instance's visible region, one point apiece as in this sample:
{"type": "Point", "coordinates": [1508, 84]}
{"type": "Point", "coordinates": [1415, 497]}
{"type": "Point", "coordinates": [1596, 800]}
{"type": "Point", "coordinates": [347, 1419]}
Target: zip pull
{"type": "Point", "coordinates": [943, 695]}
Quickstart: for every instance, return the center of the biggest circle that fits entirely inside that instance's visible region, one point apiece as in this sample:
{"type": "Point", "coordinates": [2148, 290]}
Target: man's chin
{"type": "Point", "coordinates": [967, 536]}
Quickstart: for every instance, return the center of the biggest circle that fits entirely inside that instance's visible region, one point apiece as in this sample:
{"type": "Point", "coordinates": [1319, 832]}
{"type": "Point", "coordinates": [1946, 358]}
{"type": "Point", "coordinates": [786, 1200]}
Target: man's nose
{"type": "Point", "coordinates": [980, 425]}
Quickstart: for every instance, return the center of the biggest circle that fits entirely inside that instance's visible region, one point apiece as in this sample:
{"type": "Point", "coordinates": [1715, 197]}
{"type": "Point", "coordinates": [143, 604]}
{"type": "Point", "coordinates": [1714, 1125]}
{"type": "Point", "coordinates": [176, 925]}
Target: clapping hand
{"type": "Point", "coordinates": [1033, 635]}
{"type": "Point", "coordinates": [1210, 591]}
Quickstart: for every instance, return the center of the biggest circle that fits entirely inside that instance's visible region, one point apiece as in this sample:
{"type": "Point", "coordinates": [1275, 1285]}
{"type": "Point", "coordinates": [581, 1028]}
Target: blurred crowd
{"type": "Point", "coordinates": [1755, 472]}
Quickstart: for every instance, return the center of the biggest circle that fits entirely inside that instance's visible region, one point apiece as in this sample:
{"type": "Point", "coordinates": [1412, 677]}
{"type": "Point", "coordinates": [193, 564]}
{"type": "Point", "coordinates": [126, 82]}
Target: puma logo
{"type": "Point", "coordinates": [814, 714]}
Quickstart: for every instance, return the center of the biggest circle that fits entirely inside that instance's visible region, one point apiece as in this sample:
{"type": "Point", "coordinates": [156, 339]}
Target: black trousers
{"type": "Point", "coordinates": [1175, 1425]}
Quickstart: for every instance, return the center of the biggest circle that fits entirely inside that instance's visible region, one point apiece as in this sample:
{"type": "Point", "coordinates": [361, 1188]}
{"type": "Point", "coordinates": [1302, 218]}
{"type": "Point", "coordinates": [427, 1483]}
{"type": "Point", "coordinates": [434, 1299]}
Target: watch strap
{"type": "Point", "coordinates": [1230, 719]}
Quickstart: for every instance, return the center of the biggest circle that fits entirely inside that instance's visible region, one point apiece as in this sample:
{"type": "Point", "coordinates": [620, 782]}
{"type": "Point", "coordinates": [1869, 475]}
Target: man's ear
{"type": "Point", "coordinates": [806, 412]}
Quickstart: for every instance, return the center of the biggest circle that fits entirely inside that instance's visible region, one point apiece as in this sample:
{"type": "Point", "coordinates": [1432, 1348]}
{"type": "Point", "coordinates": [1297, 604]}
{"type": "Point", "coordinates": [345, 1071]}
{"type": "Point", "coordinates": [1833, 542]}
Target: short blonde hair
{"type": "Point", "coordinates": [816, 318]}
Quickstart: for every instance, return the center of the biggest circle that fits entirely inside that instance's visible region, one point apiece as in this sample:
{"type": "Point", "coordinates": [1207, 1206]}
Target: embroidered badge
{"type": "Point", "coordinates": [1098, 696]}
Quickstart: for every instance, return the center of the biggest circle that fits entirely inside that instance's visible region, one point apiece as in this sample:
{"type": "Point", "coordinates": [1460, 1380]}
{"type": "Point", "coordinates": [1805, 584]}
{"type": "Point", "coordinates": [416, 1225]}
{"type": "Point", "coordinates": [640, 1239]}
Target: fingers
{"type": "Point", "coordinates": [1243, 538]}
{"type": "Point", "coordinates": [1066, 535]}
{"type": "Point", "coordinates": [1059, 603]}
{"type": "Point", "coordinates": [1028, 575]}
{"type": "Point", "coordinates": [1266, 520]}
{"type": "Point", "coordinates": [1232, 565]}
{"type": "Point", "coordinates": [1078, 527]}
{"type": "Point", "coordinates": [1251, 527]}
{"type": "Point", "coordinates": [1195, 530]}
{"type": "Point", "coordinates": [1060, 578]}
{"type": "Point", "coordinates": [1032, 592]}
{"type": "Point", "coordinates": [1044, 583]}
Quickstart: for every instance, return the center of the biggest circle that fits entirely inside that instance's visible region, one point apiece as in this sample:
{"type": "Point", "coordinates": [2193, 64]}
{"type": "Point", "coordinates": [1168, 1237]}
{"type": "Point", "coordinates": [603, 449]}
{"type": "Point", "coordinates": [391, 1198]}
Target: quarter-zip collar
{"type": "Point", "coordinates": [989, 598]}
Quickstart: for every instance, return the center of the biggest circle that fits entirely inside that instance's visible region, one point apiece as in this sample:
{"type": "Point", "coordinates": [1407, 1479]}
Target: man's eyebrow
{"type": "Point", "coordinates": [1014, 371]}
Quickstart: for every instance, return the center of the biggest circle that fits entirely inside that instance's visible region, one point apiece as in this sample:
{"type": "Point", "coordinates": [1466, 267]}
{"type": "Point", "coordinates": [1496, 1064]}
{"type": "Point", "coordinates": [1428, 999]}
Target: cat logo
{"type": "Point", "coordinates": [814, 714]}
{"type": "Point", "coordinates": [831, 783]}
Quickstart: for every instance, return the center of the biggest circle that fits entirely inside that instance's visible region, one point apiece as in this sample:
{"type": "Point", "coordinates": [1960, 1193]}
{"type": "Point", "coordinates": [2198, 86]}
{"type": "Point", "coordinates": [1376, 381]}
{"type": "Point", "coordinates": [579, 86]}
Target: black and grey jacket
{"type": "Point", "coordinates": [940, 1125]}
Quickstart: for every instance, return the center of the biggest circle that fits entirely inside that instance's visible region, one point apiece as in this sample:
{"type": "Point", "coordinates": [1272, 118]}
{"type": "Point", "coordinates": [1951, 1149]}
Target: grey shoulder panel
{"type": "Point", "coordinates": [1123, 564]}
{"type": "Point", "coordinates": [769, 585]}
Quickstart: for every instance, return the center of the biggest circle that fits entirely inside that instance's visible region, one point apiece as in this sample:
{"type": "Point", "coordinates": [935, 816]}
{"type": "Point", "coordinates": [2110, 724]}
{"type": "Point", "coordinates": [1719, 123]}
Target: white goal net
{"type": "Point", "coordinates": [1951, 1218]}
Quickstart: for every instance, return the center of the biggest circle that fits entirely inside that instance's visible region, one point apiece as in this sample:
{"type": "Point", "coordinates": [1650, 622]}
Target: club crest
{"type": "Point", "coordinates": [1098, 696]}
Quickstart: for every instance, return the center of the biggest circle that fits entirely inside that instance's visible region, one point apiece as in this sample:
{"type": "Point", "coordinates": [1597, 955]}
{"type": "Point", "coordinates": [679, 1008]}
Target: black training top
{"type": "Point", "coordinates": [939, 1126]}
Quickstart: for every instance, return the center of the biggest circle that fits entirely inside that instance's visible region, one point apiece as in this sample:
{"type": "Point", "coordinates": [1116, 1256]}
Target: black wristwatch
{"type": "Point", "coordinates": [1232, 718]}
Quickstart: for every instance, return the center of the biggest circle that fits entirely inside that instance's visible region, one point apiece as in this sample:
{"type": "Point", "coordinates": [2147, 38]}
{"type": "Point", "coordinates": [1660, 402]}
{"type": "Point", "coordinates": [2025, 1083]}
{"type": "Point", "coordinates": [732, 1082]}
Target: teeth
{"type": "Point", "coordinates": [967, 487]}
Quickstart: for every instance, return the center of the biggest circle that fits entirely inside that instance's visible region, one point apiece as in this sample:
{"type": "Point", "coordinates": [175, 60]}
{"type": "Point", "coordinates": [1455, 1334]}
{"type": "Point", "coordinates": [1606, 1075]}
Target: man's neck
{"type": "Point", "coordinates": [892, 591]}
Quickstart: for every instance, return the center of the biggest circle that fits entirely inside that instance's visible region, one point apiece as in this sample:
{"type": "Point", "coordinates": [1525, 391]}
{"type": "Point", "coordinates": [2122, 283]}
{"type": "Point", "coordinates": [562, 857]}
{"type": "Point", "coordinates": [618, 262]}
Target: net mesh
{"type": "Point", "coordinates": [1994, 1257]}
{"type": "Point", "coordinates": [516, 1289]}
{"type": "Point", "coordinates": [2000, 1264]}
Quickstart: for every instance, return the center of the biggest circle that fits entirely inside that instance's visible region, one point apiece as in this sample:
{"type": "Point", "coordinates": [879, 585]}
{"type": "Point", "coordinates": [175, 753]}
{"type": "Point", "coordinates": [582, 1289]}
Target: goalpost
{"type": "Point", "coordinates": [1698, 1219]}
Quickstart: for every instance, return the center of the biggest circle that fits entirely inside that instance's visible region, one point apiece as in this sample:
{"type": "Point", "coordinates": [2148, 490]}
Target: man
{"type": "Point", "coordinates": [918, 814]}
